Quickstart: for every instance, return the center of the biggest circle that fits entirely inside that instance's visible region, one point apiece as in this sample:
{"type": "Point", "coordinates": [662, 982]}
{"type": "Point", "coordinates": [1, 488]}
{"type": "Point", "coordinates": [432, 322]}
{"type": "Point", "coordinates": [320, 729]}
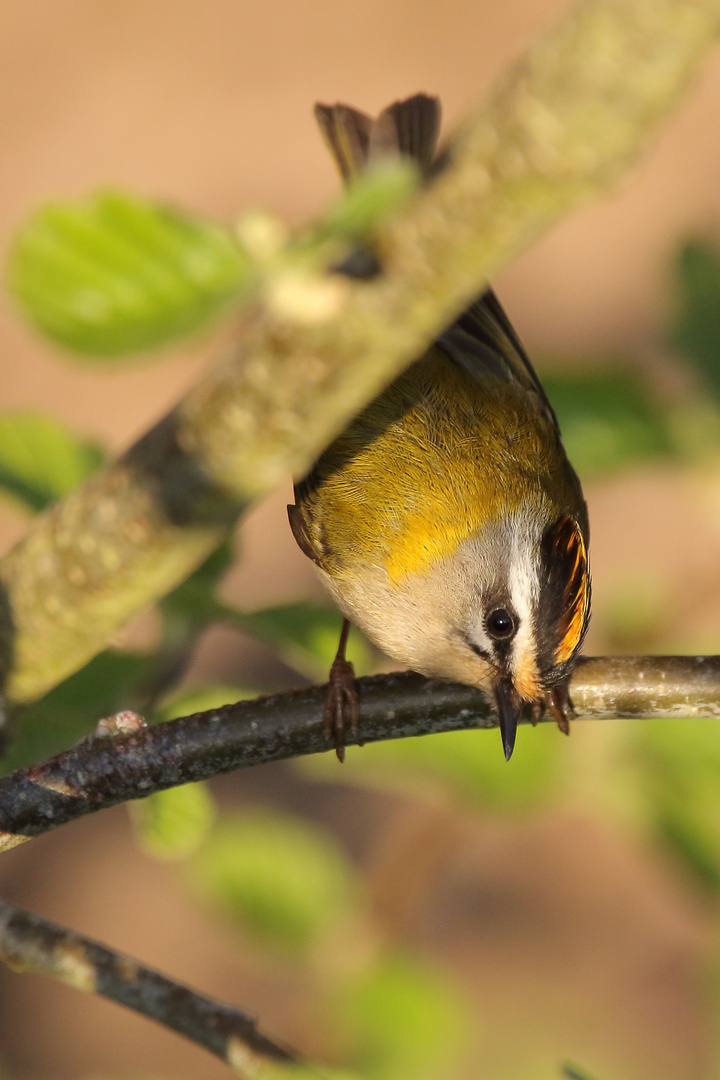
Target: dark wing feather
{"type": "Point", "coordinates": [482, 341]}
{"type": "Point", "coordinates": [300, 529]}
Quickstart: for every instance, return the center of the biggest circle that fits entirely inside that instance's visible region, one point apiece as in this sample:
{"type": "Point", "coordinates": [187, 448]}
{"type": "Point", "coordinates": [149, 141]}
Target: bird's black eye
{"type": "Point", "coordinates": [500, 623]}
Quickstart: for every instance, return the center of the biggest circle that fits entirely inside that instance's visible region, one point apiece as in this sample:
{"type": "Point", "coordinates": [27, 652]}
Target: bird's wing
{"type": "Point", "coordinates": [483, 343]}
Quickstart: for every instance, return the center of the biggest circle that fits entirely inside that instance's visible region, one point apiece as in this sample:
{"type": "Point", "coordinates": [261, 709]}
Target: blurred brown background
{"type": "Point", "coordinates": [209, 106]}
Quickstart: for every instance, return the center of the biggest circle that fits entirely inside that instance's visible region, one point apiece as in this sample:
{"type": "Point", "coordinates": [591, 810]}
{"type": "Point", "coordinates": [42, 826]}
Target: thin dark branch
{"type": "Point", "coordinates": [29, 943]}
{"type": "Point", "coordinates": [103, 771]}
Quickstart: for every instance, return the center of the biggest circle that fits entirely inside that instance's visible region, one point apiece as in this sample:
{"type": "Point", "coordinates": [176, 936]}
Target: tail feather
{"type": "Point", "coordinates": [347, 134]}
{"type": "Point", "coordinates": [416, 124]}
{"type": "Point", "coordinates": [355, 140]}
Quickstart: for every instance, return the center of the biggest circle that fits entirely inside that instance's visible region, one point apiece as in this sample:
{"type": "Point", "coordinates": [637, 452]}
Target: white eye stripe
{"type": "Point", "coordinates": [524, 587]}
{"type": "Point", "coordinates": [479, 641]}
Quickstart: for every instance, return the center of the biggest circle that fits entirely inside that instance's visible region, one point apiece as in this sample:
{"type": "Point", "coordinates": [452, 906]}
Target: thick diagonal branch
{"type": "Point", "coordinates": [101, 772]}
{"type": "Point", "coordinates": [564, 122]}
{"type": "Point", "coordinates": [29, 943]}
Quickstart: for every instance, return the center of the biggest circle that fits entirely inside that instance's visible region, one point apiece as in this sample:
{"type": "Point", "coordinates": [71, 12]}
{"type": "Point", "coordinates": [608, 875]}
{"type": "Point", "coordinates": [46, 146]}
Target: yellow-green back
{"type": "Point", "coordinates": [428, 464]}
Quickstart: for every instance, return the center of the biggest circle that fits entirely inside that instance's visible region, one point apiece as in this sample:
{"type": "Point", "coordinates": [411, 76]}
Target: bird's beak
{"type": "Point", "coordinates": [508, 704]}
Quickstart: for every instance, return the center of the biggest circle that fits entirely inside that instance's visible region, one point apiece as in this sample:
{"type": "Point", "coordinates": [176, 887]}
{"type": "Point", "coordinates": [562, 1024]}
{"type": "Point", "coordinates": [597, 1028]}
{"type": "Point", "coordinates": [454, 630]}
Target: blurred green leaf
{"type": "Point", "coordinates": [115, 275]}
{"type": "Point", "coordinates": [695, 331]}
{"type": "Point", "coordinates": [373, 195]}
{"type": "Point", "coordinates": [192, 605]}
{"type": "Point", "coordinates": [608, 419]}
{"type": "Point", "coordinates": [173, 824]}
{"type": "Point", "coordinates": [283, 879]}
{"type": "Point", "coordinates": [205, 578]}
{"type": "Point", "coordinates": [203, 698]}
{"type": "Point", "coordinates": [110, 682]}
{"type": "Point", "coordinates": [678, 767]}
{"type": "Point", "coordinates": [572, 1072]}
{"type": "Point", "coordinates": [637, 601]}
{"type": "Point", "coordinates": [471, 764]}
{"type": "Point", "coordinates": [406, 1022]}
{"type": "Point", "coordinates": [41, 460]}
{"type": "Point", "coordinates": [306, 635]}
{"type": "Point", "coordinates": [271, 1071]}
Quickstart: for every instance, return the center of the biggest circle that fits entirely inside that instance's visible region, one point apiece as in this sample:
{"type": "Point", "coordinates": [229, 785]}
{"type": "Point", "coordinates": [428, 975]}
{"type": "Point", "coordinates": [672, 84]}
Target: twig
{"type": "Point", "coordinates": [29, 943]}
{"type": "Point", "coordinates": [103, 771]}
{"type": "Point", "coordinates": [565, 121]}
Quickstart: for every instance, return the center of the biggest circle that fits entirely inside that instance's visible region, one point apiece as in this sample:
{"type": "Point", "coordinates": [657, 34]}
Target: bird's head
{"type": "Point", "coordinates": [529, 614]}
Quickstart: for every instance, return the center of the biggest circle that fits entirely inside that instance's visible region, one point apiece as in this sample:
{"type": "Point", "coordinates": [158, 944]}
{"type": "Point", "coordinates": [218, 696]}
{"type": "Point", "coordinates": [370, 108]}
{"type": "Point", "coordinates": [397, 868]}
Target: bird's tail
{"type": "Point", "coordinates": [356, 140]}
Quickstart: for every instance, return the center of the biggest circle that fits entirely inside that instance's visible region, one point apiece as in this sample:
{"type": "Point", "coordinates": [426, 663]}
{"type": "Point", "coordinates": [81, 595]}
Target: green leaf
{"type": "Point", "coordinates": [203, 698]}
{"type": "Point", "coordinates": [271, 1071]}
{"type": "Point", "coordinates": [110, 682]}
{"type": "Point", "coordinates": [282, 879]}
{"type": "Point", "coordinates": [608, 419]}
{"type": "Point", "coordinates": [193, 600]}
{"type": "Point", "coordinates": [115, 275]}
{"type": "Point", "coordinates": [192, 605]}
{"type": "Point", "coordinates": [637, 602]}
{"type": "Point", "coordinates": [572, 1072]}
{"type": "Point", "coordinates": [306, 635]}
{"type": "Point", "coordinates": [372, 196]}
{"type": "Point", "coordinates": [172, 824]}
{"type": "Point", "coordinates": [406, 1022]}
{"type": "Point", "coordinates": [470, 764]}
{"type": "Point", "coordinates": [695, 331]}
{"type": "Point", "coordinates": [677, 765]}
{"type": "Point", "coordinates": [41, 460]}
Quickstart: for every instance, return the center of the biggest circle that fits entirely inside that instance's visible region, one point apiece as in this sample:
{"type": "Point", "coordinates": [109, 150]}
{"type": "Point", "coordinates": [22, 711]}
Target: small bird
{"type": "Point", "coordinates": [446, 520]}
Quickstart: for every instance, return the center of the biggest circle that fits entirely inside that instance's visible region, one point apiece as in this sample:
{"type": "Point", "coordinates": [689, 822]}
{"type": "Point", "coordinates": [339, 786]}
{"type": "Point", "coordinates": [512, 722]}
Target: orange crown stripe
{"type": "Point", "coordinates": [577, 598]}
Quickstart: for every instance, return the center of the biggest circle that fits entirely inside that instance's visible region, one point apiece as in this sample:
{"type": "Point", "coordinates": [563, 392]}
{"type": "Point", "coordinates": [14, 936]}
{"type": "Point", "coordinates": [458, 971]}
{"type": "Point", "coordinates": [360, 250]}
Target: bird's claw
{"type": "Point", "coordinates": [557, 702]}
{"type": "Point", "coordinates": [342, 706]}
{"type": "Point", "coordinates": [559, 705]}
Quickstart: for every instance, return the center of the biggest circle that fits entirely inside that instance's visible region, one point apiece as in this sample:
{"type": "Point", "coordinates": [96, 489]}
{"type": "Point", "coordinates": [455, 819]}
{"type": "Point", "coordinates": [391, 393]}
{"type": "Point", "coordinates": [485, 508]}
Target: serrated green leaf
{"type": "Point", "coordinates": [41, 460]}
{"type": "Point", "coordinates": [406, 1022]}
{"type": "Point", "coordinates": [608, 419]}
{"type": "Point", "coordinates": [172, 824]}
{"type": "Point", "coordinates": [115, 275]}
{"type": "Point", "coordinates": [281, 878]}
{"type": "Point", "coordinates": [695, 331]}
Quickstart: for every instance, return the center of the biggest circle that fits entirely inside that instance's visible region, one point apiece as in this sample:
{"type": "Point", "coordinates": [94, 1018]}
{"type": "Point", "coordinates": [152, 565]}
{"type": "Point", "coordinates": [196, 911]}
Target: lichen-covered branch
{"type": "Point", "coordinates": [103, 771]}
{"type": "Point", "coordinates": [564, 122]}
{"type": "Point", "coordinates": [29, 943]}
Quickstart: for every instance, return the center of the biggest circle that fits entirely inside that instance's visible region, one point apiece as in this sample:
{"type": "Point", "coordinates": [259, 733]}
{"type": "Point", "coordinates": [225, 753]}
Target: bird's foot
{"type": "Point", "coordinates": [559, 705]}
{"type": "Point", "coordinates": [557, 702]}
{"type": "Point", "coordinates": [342, 705]}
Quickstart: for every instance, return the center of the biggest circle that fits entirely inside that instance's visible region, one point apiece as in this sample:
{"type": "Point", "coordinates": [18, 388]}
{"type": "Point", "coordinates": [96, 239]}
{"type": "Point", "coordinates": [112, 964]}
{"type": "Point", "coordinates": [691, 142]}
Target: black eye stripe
{"type": "Point", "coordinates": [482, 653]}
